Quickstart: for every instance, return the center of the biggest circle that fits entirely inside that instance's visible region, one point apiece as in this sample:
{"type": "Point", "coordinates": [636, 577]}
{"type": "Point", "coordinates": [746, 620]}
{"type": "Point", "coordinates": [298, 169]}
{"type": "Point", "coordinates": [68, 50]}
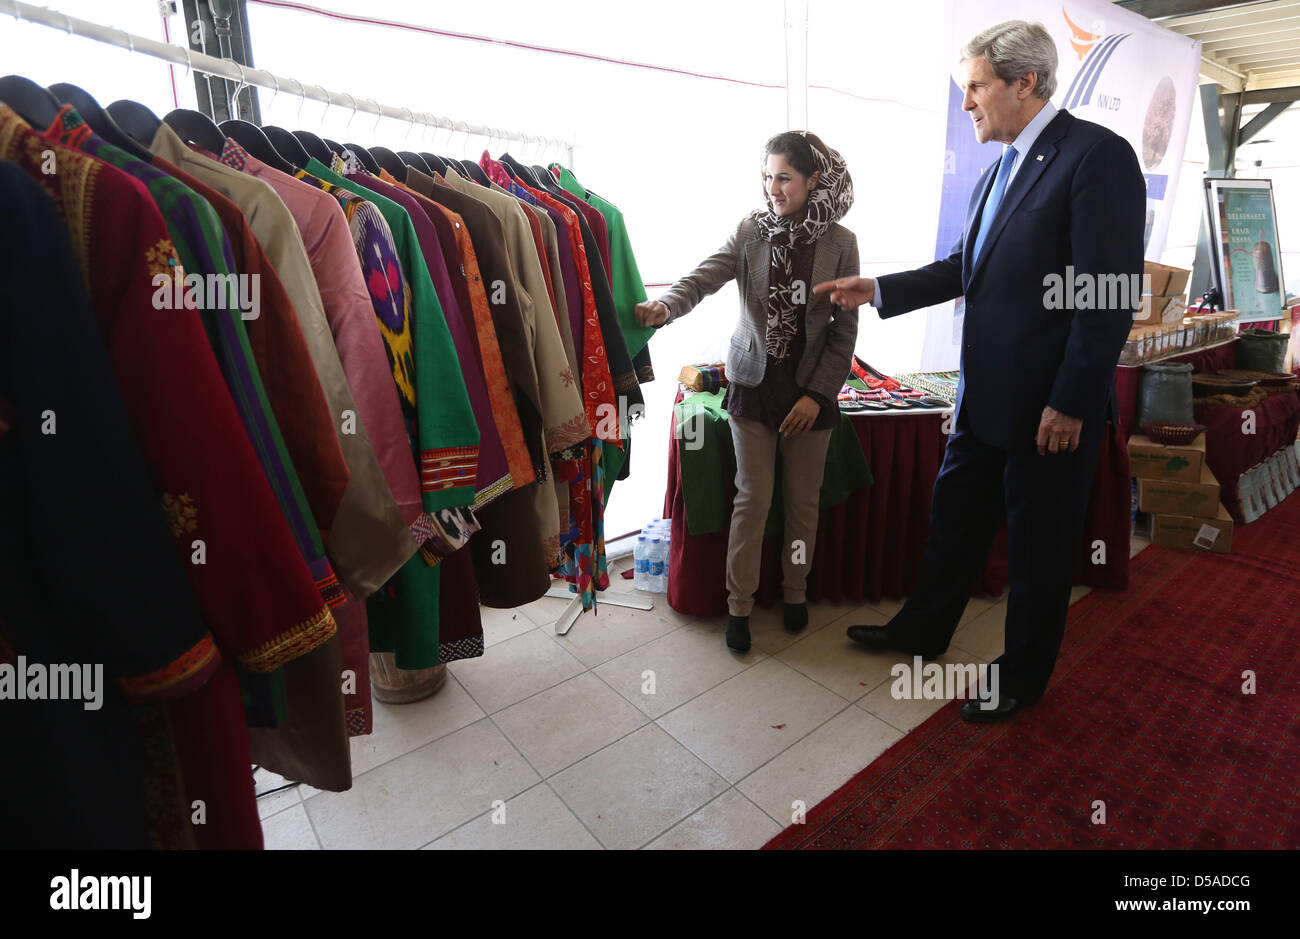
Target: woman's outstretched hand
{"type": "Point", "coordinates": [849, 293]}
{"type": "Point", "coordinates": [801, 417]}
{"type": "Point", "coordinates": [651, 313]}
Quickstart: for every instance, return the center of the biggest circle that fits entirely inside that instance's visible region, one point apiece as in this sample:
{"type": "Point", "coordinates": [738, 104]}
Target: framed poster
{"type": "Point", "coordinates": [1247, 262]}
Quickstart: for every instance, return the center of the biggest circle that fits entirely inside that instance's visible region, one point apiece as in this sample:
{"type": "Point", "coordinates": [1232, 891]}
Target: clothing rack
{"type": "Point", "coordinates": [245, 75]}
{"type": "Point", "coordinates": [234, 71]}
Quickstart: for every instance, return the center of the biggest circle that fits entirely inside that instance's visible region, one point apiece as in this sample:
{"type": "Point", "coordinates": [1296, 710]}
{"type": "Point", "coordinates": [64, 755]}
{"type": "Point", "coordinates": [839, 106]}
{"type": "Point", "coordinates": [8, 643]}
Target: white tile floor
{"type": "Point", "coordinates": [638, 729]}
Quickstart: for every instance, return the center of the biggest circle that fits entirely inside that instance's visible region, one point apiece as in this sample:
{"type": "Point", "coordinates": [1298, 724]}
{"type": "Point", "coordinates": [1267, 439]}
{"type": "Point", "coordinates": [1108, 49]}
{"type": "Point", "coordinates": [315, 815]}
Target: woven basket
{"type": "Point", "coordinates": [1171, 434]}
{"type": "Point", "coordinates": [1272, 382]}
{"type": "Point", "coordinates": [1257, 396]}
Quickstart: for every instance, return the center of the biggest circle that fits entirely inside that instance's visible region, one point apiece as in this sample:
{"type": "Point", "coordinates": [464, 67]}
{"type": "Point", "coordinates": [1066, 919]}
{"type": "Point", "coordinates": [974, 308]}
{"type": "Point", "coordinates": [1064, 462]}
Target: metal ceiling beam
{"type": "Point", "coordinates": [1290, 60]}
{"type": "Point", "coordinates": [1235, 15]}
{"type": "Point", "coordinates": [1239, 32]}
{"type": "Point", "coordinates": [1261, 120]}
{"type": "Point", "coordinates": [1227, 47]}
{"type": "Point", "coordinates": [1157, 9]}
{"type": "Point", "coordinates": [1258, 74]}
{"type": "Point", "coordinates": [1221, 75]}
{"type": "Point", "coordinates": [1283, 43]}
{"type": "Point", "coordinates": [1271, 95]}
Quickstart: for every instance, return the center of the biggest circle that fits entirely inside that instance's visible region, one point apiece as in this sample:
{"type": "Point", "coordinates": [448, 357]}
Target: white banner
{"type": "Point", "coordinates": [1116, 68]}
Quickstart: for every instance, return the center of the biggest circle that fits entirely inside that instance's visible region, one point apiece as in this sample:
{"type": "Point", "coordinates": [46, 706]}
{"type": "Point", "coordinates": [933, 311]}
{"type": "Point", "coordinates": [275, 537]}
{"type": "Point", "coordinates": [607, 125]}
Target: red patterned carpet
{"type": "Point", "coordinates": [1145, 712]}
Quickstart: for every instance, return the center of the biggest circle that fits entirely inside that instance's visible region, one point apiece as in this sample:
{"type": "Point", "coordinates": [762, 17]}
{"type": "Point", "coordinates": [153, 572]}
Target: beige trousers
{"type": "Point", "coordinates": [803, 461]}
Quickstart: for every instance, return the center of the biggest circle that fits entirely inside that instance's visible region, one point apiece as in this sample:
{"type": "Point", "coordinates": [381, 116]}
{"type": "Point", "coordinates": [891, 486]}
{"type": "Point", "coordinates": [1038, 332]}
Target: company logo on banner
{"type": "Point", "coordinates": [1114, 68]}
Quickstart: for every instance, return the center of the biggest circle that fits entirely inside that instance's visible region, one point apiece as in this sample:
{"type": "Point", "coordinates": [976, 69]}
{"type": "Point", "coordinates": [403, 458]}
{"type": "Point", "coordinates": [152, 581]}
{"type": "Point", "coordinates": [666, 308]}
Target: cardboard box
{"type": "Point", "coordinates": [1163, 280]}
{"type": "Point", "coordinates": [1201, 534]}
{"type": "Point", "coordinates": [1176, 497]}
{"type": "Point", "coordinates": [1160, 309]}
{"type": "Point", "coordinates": [1150, 460]}
{"type": "Point", "coordinates": [1153, 308]}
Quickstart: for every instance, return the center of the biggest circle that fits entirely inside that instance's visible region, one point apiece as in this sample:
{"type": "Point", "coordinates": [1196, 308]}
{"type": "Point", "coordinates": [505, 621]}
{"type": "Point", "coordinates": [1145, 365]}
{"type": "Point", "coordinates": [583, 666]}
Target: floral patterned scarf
{"type": "Point", "coordinates": [827, 204]}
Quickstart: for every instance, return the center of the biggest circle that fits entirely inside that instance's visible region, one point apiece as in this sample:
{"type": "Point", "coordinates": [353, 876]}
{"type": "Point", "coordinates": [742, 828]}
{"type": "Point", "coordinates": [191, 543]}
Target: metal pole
{"type": "Point", "coordinates": [222, 68]}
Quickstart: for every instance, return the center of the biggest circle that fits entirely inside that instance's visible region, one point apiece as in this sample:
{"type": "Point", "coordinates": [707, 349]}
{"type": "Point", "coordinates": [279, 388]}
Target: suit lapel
{"type": "Point", "coordinates": [759, 258]}
{"type": "Point", "coordinates": [972, 218]}
{"type": "Point", "coordinates": [825, 260]}
{"type": "Point", "coordinates": [1036, 162]}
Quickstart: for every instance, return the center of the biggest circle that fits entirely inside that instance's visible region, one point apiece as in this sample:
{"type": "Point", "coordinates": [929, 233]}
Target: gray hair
{"type": "Point", "coordinates": [1016, 48]}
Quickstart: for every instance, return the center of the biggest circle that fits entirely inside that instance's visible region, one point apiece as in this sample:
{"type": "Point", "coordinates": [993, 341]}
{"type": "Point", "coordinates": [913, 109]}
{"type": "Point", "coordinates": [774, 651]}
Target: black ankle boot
{"type": "Point", "coordinates": [738, 633]}
{"type": "Point", "coordinates": [796, 617]}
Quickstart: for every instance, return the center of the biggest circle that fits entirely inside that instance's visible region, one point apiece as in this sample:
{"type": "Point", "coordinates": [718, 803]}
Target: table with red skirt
{"type": "Point", "coordinates": [1229, 450]}
{"type": "Point", "coordinates": [871, 545]}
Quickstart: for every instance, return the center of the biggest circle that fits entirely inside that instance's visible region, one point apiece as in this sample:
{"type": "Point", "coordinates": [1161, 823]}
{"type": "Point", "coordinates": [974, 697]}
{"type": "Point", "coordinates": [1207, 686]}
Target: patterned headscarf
{"type": "Point", "coordinates": [827, 204]}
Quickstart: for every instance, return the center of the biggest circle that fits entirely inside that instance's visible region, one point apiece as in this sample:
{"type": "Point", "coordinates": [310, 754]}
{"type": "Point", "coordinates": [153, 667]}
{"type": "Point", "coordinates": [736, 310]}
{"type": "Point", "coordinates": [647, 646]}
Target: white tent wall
{"type": "Point", "coordinates": [679, 153]}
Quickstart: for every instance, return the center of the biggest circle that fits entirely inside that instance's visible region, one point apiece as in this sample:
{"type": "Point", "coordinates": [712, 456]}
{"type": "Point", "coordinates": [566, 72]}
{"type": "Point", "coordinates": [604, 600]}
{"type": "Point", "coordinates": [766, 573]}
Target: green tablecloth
{"type": "Point", "coordinates": [702, 430]}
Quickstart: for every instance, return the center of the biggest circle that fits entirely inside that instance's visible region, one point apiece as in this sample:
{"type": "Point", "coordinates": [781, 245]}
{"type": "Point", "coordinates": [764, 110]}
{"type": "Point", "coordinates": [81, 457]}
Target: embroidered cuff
{"type": "Point", "coordinates": [447, 469]}
{"type": "Point", "coordinates": [327, 582]}
{"type": "Point", "coordinates": [573, 431]}
{"type": "Point", "coordinates": [184, 674]}
{"type": "Point", "coordinates": [292, 643]}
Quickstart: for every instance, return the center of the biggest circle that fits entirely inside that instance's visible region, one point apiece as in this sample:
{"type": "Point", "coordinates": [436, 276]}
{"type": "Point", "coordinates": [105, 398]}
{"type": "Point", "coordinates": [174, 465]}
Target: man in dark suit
{"type": "Point", "coordinates": [1065, 204]}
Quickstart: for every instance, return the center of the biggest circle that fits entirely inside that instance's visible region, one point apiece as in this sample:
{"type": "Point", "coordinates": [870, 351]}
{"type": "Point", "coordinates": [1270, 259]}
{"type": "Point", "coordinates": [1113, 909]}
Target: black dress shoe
{"type": "Point", "coordinates": [873, 637]}
{"type": "Point", "coordinates": [1007, 705]}
{"type": "Point", "coordinates": [796, 617]}
{"type": "Point", "coordinates": [877, 638]}
{"type": "Point", "coordinates": [738, 633]}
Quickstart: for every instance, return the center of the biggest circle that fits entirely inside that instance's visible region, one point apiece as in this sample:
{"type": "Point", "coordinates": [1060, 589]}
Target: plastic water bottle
{"type": "Point", "coordinates": [657, 576]}
{"type": "Point", "coordinates": [641, 558]}
{"type": "Point", "coordinates": [668, 556]}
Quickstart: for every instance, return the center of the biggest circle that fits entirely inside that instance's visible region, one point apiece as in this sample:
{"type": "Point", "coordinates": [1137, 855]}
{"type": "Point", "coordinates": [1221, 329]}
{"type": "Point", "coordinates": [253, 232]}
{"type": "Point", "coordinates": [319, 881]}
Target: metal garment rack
{"type": "Point", "coordinates": [225, 68]}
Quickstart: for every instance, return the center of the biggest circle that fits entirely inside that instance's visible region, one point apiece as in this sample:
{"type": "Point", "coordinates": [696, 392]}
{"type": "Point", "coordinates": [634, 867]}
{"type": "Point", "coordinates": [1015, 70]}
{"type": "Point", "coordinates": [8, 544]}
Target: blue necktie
{"type": "Point", "coordinates": [995, 198]}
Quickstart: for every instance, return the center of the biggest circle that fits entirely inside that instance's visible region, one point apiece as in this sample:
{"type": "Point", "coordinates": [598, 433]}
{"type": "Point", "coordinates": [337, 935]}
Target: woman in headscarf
{"type": "Point", "coordinates": [787, 360]}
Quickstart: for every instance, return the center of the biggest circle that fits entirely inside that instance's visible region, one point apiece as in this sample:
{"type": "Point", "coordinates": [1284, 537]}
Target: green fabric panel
{"type": "Point", "coordinates": [704, 491]}
{"type": "Point", "coordinates": [612, 460]}
{"type": "Point", "coordinates": [627, 288]}
{"type": "Point", "coordinates": [404, 621]}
